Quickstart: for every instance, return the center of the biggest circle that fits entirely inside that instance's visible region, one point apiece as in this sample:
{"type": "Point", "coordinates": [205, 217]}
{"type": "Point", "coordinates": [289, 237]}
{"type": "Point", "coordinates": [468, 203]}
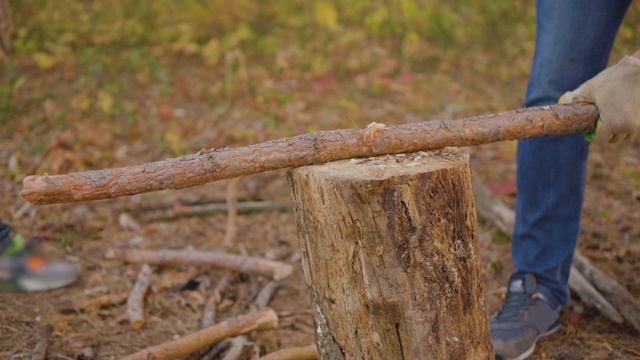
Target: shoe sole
{"type": "Point", "coordinates": [34, 285]}
{"type": "Point", "coordinates": [530, 350]}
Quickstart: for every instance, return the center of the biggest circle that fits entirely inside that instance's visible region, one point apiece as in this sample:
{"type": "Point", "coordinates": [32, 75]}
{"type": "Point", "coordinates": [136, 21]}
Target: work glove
{"type": "Point", "coordinates": [616, 93]}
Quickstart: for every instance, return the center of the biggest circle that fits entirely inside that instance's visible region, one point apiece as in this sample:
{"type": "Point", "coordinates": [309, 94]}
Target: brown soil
{"type": "Point", "coordinates": [609, 235]}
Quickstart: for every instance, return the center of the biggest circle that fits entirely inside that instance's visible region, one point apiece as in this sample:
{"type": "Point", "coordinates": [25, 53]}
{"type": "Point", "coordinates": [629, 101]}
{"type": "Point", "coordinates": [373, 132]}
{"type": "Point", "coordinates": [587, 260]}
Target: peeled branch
{"type": "Point", "coordinates": [244, 264]}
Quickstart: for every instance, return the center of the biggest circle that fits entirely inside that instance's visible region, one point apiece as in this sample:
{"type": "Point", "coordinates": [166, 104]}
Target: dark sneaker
{"type": "Point", "coordinates": [523, 318]}
{"type": "Point", "coordinates": [22, 269]}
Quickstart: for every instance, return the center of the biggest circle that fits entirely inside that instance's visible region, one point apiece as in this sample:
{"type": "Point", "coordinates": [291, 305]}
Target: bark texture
{"type": "Point", "coordinates": [313, 148]}
{"type": "Point", "coordinates": [389, 252]}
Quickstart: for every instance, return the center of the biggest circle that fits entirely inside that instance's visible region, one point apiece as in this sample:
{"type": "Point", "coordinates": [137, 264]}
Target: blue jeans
{"type": "Point", "coordinates": [573, 43]}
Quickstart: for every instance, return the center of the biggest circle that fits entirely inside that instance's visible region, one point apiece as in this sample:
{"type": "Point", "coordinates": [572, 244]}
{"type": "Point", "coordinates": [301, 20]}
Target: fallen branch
{"type": "Point", "coordinates": [40, 351]}
{"type": "Point", "coordinates": [101, 301]}
{"type": "Point", "coordinates": [618, 296]}
{"type": "Point", "coordinates": [209, 312]}
{"type": "Point", "coordinates": [135, 302]}
{"type": "Point", "coordinates": [492, 209]}
{"type": "Point", "coordinates": [159, 285]}
{"type": "Point", "coordinates": [258, 321]}
{"type": "Point", "coordinates": [244, 264]}
{"type": "Point", "coordinates": [232, 215]}
{"type": "Point", "coordinates": [209, 318]}
{"type": "Point", "coordinates": [208, 209]}
{"type": "Point", "coordinates": [591, 296]}
{"type": "Point", "coordinates": [264, 296]}
{"type": "Point", "coordinates": [169, 281]}
{"type": "Point", "coordinates": [309, 352]}
{"type": "Point", "coordinates": [313, 148]}
{"type": "Point", "coordinates": [236, 347]}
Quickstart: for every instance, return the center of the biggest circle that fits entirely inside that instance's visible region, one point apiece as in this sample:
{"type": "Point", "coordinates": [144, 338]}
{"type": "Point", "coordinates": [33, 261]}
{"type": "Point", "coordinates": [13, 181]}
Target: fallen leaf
{"type": "Point", "coordinates": [81, 102]}
{"type": "Point", "coordinates": [105, 101]}
{"type": "Point", "coordinates": [326, 14]}
{"type": "Point", "coordinates": [44, 60]}
{"type": "Point", "coordinates": [506, 188]}
{"type": "Point", "coordinates": [49, 106]}
{"type": "Point", "coordinates": [165, 112]}
{"type": "Point", "coordinates": [174, 142]}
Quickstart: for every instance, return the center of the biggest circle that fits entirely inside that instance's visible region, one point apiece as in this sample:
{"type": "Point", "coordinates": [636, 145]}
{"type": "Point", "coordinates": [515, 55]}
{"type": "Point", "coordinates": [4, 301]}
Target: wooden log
{"type": "Point", "coordinates": [244, 264]}
{"type": "Point", "coordinates": [258, 321]}
{"type": "Point", "coordinates": [390, 254]}
{"type": "Point", "coordinates": [313, 148]}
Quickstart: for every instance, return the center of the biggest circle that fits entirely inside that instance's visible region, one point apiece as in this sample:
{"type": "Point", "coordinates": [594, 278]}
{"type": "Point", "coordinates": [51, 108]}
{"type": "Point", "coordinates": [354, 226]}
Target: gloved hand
{"type": "Point", "coordinates": [616, 93]}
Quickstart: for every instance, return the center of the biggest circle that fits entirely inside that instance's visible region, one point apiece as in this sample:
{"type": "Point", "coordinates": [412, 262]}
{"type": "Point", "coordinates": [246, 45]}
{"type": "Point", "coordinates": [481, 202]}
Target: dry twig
{"type": "Point", "coordinates": [616, 294]}
{"type": "Point", "coordinates": [212, 208]}
{"type": "Point", "coordinates": [159, 285]}
{"type": "Point", "coordinates": [209, 312]}
{"type": "Point", "coordinates": [101, 301]}
{"type": "Point", "coordinates": [232, 214]}
{"type": "Point", "coordinates": [40, 351]}
{"type": "Point", "coordinates": [309, 352]}
{"type": "Point", "coordinates": [258, 321]}
{"type": "Point", "coordinates": [168, 281]}
{"type": "Point", "coordinates": [591, 296]}
{"type": "Point", "coordinates": [264, 296]}
{"type": "Point", "coordinates": [236, 347]}
{"type": "Point", "coordinates": [244, 264]}
{"type": "Point", "coordinates": [135, 302]}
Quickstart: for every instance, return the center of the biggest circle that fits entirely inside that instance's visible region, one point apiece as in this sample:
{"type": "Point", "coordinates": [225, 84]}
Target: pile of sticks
{"type": "Point", "coordinates": [314, 148]}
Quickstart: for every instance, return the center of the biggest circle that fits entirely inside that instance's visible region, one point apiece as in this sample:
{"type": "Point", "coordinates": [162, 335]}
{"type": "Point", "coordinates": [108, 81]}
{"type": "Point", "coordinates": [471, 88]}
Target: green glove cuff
{"type": "Point", "coordinates": [591, 136]}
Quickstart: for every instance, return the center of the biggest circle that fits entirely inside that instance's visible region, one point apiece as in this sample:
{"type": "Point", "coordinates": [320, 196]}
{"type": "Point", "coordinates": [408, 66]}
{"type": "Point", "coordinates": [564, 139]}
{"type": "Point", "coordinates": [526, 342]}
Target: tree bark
{"type": "Point", "coordinates": [389, 252]}
{"type": "Point", "coordinates": [314, 148]}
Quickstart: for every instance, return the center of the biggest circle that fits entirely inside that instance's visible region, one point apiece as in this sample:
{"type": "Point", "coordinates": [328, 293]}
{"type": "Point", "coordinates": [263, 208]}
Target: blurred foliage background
{"type": "Point", "coordinates": [136, 63]}
{"type": "Point", "coordinates": [323, 35]}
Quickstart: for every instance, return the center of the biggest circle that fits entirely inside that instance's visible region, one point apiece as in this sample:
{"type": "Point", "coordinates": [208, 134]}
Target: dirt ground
{"type": "Point", "coordinates": [186, 117]}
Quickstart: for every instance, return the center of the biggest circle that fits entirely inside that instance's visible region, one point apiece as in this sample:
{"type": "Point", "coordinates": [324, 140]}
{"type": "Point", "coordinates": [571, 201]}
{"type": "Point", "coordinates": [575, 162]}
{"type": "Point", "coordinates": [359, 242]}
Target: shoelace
{"type": "Point", "coordinates": [513, 307]}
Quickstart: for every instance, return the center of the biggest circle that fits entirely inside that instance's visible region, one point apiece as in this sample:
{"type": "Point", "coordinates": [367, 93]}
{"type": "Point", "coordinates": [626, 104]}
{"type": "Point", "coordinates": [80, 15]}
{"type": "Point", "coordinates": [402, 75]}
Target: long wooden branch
{"type": "Point", "coordinates": [307, 149]}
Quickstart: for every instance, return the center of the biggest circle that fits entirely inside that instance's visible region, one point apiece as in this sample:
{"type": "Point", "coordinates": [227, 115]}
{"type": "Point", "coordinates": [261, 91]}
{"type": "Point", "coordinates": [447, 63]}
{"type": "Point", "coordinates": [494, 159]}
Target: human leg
{"type": "Point", "coordinates": [573, 42]}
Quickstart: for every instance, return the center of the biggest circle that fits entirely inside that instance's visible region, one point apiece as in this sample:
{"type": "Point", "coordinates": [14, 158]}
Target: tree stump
{"type": "Point", "coordinates": [390, 255]}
